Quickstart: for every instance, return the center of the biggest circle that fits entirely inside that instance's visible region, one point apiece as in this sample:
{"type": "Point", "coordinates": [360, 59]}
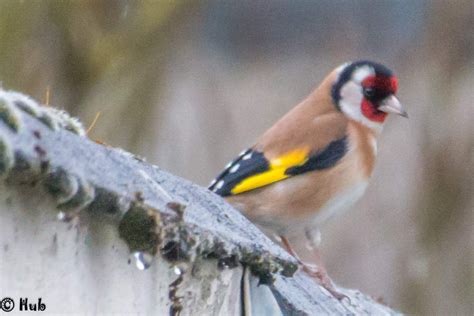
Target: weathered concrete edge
{"type": "Point", "coordinates": [181, 219]}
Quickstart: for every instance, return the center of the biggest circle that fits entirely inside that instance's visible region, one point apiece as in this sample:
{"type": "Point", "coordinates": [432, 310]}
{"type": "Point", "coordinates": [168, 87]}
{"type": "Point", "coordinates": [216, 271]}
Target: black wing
{"type": "Point", "coordinates": [247, 164]}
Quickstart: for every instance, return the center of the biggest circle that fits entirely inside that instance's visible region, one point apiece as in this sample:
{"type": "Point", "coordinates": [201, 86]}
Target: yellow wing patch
{"type": "Point", "coordinates": [275, 173]}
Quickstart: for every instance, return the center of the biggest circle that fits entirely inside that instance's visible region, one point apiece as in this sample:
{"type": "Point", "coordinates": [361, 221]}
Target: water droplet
{"type": "Point", "coordinates": [142, 260]}
{"type": "Point", "coordinates": [177, 270]}
{"type": "Point", "coordinates": [222, 264]}
{"type": "Point", "coordinates": [62, 216]}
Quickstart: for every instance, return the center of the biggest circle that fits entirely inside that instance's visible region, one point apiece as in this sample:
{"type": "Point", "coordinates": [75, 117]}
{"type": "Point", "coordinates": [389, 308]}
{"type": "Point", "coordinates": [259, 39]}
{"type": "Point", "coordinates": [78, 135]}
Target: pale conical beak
{"type": "Point", "coordinates": [392, 105]}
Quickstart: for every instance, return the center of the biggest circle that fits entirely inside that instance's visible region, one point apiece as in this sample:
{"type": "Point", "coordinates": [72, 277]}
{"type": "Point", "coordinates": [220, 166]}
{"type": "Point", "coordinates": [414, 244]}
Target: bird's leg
{"type": "Point", "coordinates": [309, 268]}
{"type": "Point", "coordinates": [287, 246]}
{"type": "Point", "coordinates": [316, 270]}
{"type": "Point", "coordinates": [313, 237]}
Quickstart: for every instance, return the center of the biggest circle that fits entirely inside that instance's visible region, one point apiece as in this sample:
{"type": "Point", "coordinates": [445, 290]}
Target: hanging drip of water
{"type": "Point", "coordinates": [143, 260]}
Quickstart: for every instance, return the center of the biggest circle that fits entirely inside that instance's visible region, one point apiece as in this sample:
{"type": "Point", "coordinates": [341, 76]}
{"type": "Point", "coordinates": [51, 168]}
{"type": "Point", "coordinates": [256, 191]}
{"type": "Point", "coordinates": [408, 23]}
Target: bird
{"type": "Point", "coordinates": [316, 161]}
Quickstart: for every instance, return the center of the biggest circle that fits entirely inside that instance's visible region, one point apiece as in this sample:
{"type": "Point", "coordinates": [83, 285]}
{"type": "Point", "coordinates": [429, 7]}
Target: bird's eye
{"type": "Point", "coordinates": [369, 92]}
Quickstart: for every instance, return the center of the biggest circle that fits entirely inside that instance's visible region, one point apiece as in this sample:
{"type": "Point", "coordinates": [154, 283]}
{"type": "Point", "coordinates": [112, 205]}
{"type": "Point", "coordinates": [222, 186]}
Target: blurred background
{"type": "Point", "coordinates": [189, 84]}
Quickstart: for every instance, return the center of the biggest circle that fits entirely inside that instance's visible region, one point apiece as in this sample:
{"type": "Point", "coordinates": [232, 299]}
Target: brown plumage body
{"type": "Point", "coordinates": [315, 161]}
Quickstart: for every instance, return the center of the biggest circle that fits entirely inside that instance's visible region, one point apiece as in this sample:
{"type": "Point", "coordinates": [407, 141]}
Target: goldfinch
{"type": "Point", "coordinates": [317, 159]}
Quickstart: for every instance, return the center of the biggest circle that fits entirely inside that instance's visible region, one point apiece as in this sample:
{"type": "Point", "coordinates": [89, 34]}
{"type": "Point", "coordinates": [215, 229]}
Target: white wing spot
{"type": "Point", "coordinates": [220, 184]}
{"type": "Point", "coordinates": [234, 168]}
{"type": "Point", "coordinates": [242, 153]}
{"type": "Point", "coordinates": [212, 182]}
{"type": "Point", "coordinates": [246, 157]}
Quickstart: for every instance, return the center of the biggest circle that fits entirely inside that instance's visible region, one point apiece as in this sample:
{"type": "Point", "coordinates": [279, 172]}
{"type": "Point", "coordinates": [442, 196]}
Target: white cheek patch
{"type": "Point", "coordinates": [351, 93]}
{"type": "Point", "coordinates": [351, 98]}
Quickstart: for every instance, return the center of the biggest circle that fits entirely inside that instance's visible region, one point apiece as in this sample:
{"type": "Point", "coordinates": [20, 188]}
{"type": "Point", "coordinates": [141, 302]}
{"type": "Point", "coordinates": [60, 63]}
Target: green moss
{"type": "Point", "coordinates": [75, 126]}
{"type": "Point", "coordinates": [288, 268]}
{"type": "Point", "coordinates": [84, 196]}
{"type": "Point", "coordinates": [140, 228]}
{"type": "Point", "coordinates": [65, 121]}
{"type": "Point", "coordinates": [26, 104]}
{"type": "Point", "coordinates": [7, 157]}
{"type": "Point", "coordinates": [61, 185]}
{"type": "Point", "coordinates": [264, 265]}
{"type": "Point", "coordinates": [48, 120]}
{"type": "Point", "coordinates": [9, 116]}
{"type": "Point", "coordinates": [52, 117]}
{"type": "Point", "coordinates": [71, 192]}
{"type": "Point", "coordinates": [107, 202]}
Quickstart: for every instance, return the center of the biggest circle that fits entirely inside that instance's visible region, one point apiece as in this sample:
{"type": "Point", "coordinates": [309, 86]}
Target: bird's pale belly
{"type": "Point", "coordinates": [339, 203]}
{"type": "Point", "coordinates": [293, 221]}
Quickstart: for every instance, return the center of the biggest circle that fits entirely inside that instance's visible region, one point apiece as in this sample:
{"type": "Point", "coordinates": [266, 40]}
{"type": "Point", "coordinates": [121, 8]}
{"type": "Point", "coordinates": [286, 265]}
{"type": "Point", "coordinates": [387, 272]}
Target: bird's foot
{"type": "Point", "coordinates": [323, 279]}
{"type": "Point", "coordinates": [316, 271]}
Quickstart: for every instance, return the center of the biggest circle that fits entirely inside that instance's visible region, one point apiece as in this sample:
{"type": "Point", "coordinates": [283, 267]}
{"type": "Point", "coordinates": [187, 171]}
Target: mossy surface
{"type": "Point", "coordinates": [61, 185]}
{"type": "Point", "coordinates": [7, 158]}
{"type": "Point", "coordinates": [9, 115]}
{"type": "Point", "coordinates": [140, 228]}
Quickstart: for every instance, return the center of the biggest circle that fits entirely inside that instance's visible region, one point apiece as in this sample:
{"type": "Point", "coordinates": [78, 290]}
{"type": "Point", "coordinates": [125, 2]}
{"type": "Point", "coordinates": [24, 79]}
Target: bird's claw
{"type": "Point", "coordinates": [324, 280]}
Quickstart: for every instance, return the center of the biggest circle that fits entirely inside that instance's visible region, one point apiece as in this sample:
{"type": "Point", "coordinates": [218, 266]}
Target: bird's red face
{"type": "Point", "coordinates": [375, 90]}
{"type": "Point", "coordinates": [365, 92]}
